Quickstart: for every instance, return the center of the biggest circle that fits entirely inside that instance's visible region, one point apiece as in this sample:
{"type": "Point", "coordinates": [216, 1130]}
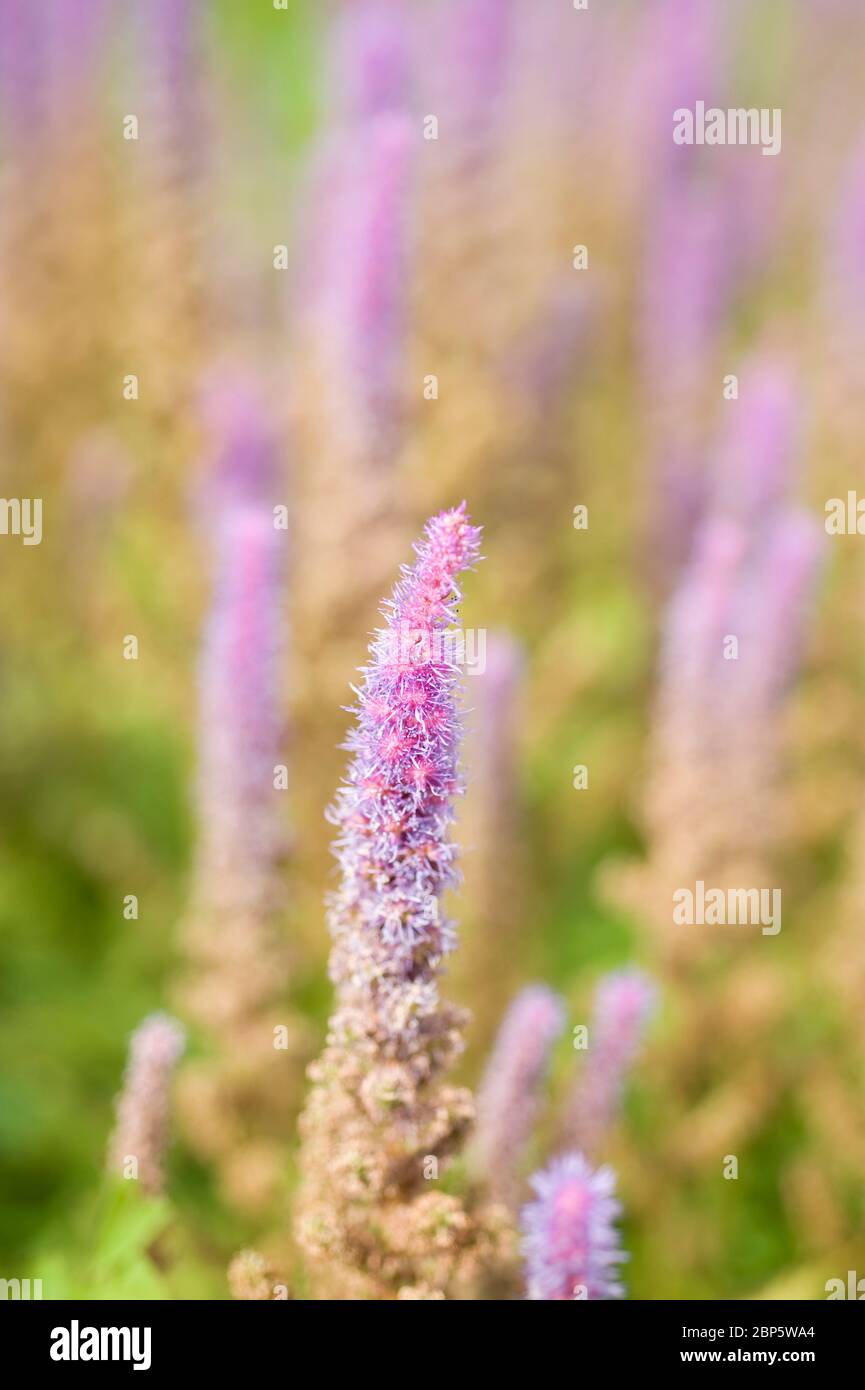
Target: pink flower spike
{"type": "Point", "coordinates": [371, 68]}
{"type": "Point", "coordinates": [508, 1098]}
{"type": "Point", "coordinates": [395, 807]}
{"type": "Point", "coordinates": [624, 1003]}
{"type": "Point", "coordinates": [140, 1137]}
{"type": "Point", "coordinates": [570, 1241]}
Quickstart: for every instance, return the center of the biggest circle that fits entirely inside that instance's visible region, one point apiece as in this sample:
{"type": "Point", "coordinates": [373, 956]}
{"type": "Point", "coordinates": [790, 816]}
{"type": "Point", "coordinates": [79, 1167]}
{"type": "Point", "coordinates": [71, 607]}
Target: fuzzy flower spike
{"type": "Point", "coordinates": [138, 1145]}
{"type": "Point", "coordinates": [396, 805]}
{"type": "Point", "coordinates": [509, 1098]}
{"type": "Point", "coordinates": [378, 1115]}
{"type": "Point", "coordinates": [571, 1243]}
{"type": "Point", "coordinates": [624, 1004]}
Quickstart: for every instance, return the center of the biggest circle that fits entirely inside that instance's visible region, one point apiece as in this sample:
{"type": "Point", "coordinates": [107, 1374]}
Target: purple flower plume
{"type": "Point", "coordinates": [349, 299]}
{"type": "Point", "coordinates": [22, 70]}
{"type": "Point", "coordinates": [508, 1098]}
{"type": "Point", "coordinates": [240, 839]}
{"type": "Point", "coordinates": [688, 276]}
{"type": "Point", "coordinates": [686, 288]}
{"type": "Point", "coordinates": [624, 1003]}
{"type": "Point", "coordinates": [380, 1111]}
{"type": "Point", "coordinates": [570, 1243]}
{"type": "Point", "coordinates": [169, 41]}
{"type": "Point", "coordinates": [372, 65]}
{"type": "Point", "coordinates": [51, 60]}
{"type": "Point", "coordinates": [466, 69]}
{"type": "Point", "coordinates": [777, 544]}
{"type": "Point", "coordinates": [240, 729]}
{"type": "Point", "coordinates": [372, 294]}
{"type": "Point", "coordinates": [238, 1103]}
{"type": "Point", "coordinates": [240, 466]}
{"type": "Point", "coordinates": [141, 1133]}
{"type": "Point", "coordinates": [480, 53]}
{"type": "Point", "coordinates": [753, 460]}
{"type": "Point", "coordinates": [352, 300]}
{"type": "Point", "coordinates": [749, 579]}
{"type": "Point", "coordinates": [396, 805]}
{"type": "Point", "coordinates": [683, 58]}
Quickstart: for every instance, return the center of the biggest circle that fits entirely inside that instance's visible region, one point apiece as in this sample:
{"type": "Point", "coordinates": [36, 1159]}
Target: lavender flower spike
{"type": "Point", "coordinates": [624, 1003]}
{"type": "Point", "coordinates": [476, 47]}
{"type": "Point", "coordinates": [372, 67]}
{"type": "Point", "coordinates": [357, 306]}
{"type": "Point", "coordinates": [238, 959]}
{"type": "Point", "coordinates": [240, 730]}
{"type": "Point", "coordinates": [241, 451]}
{"type": "Point", "coordinates": [508, 1098]}
{"type": "Point", "coordinates": [570, 1241]}
{"type": "Point", "coordinates": [140, 1137]}
{"type": "Point", "coordinates": [379, 1117]}
{"type": "Point", "coordinates": [396, 805]}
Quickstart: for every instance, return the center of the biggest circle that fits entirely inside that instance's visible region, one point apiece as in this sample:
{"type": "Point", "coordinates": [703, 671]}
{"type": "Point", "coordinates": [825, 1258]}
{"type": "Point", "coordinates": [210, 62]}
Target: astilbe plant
{"type": "Point", "coordinates": [381, 1117]}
